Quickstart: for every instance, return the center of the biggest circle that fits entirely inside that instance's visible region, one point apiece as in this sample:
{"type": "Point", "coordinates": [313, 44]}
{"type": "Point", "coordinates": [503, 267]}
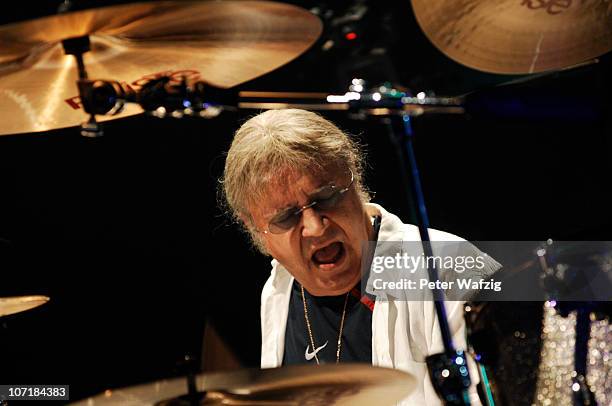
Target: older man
{"type": "Point", "coordinates": [294, 181]}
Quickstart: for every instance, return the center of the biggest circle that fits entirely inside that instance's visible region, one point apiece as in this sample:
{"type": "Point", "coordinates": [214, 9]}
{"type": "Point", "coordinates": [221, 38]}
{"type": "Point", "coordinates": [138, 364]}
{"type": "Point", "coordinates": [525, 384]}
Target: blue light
{"type": "Point", "coordinates": [463, 371]}
{"type": "Point", "coordinates": [459, 360]}
{"type": "Point", "coordinates": [186, 103]}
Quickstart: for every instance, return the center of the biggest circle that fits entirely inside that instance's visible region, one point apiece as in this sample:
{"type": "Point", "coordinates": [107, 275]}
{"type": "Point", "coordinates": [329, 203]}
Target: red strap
{"type": "Point", "coordinates": [367, 302]}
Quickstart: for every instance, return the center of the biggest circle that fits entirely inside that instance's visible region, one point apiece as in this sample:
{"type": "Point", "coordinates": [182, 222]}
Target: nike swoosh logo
{"type": "Point", "coordinates": [311, 355]}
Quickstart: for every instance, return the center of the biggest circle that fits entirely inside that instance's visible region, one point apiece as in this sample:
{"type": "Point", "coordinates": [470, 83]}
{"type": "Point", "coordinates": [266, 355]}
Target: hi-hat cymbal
{"type": "Point", "coordinates": [344, 384]}
{"type": "Point", "coordinates": [222, 42]}
{"type": "Point", "coordinates": [517, 36]}
{"type": "Point", "coordinates": [12, 305]}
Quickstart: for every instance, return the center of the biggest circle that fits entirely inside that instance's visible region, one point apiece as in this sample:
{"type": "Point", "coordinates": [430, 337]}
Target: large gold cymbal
{"type": "Point", "coordinates": [344, 384]}
{"type": "Point", "coordinates": [517, 36]}
{"type": "Point", "coordinates": [17, 304]}
{"type": "Point", "coordinates": [223, 42]}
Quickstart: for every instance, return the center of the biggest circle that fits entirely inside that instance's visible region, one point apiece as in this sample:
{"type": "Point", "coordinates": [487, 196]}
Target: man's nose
{"type": "Point", "coordinates": [313, 223]}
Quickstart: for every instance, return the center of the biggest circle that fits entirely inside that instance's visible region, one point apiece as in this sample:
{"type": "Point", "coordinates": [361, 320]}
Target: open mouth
{"type": "Point", "coordinates": [329, 255]}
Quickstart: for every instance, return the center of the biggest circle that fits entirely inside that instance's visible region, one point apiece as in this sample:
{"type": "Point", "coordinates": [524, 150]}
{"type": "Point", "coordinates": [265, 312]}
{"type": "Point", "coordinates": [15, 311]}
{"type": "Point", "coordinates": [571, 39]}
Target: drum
{"type": "Point", "coordinates": [526, 353]}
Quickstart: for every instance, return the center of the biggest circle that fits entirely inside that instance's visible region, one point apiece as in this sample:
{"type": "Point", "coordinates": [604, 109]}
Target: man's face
{"type": "Point", "coordinates": [323, 250]}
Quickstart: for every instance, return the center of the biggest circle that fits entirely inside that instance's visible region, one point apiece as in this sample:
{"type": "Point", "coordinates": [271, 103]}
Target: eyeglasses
{"type": "Point", "coordinates": [327, 198]}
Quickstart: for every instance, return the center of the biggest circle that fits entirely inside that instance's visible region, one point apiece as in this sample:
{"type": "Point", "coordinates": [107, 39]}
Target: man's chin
{"type": "Point", "coordinates": [334, 285]}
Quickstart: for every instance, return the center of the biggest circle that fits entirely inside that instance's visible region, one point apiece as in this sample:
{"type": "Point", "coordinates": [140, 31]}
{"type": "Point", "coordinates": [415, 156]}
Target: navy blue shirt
{"type": "Point", "coordinates": [325, 315]}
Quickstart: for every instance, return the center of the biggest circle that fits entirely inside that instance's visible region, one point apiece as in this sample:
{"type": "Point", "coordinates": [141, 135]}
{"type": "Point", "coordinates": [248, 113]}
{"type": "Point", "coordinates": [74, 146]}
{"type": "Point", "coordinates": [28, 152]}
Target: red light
{"type": "Point", "coordinates": [350, 36]}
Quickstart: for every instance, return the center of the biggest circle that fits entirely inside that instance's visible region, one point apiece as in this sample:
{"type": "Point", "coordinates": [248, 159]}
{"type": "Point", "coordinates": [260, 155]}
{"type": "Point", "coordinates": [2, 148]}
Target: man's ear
{"type": "Point", "coordinates": [248, 224]}
{"type": "Point", "coordinates": [256, 237]}
{"type": "Point", "coordinates": [247, 221]}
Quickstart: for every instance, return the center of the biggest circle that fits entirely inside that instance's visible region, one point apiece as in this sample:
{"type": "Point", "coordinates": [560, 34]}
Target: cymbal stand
{"type": "Point", "coordinates": [558, 285]}
{"type": "Point", "coordinates": [448, 370]}
{"type": "Point", "coordinates": [77, 46]}
{"type": "Point", "coordinates": [193, 397]}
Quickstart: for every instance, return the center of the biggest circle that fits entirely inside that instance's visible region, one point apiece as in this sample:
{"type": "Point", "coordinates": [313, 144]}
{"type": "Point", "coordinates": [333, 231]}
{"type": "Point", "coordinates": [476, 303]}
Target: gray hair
{"type": "Point", "coordinates": [278, 142]}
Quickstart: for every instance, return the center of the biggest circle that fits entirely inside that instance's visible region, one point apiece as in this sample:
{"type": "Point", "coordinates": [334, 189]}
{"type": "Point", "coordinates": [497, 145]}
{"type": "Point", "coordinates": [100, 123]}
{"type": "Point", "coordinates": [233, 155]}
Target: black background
{"type": "Point", "coordinates": [124, 233]}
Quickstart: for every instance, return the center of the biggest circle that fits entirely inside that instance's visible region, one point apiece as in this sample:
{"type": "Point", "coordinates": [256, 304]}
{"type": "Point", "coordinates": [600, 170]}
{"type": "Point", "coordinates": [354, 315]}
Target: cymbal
{"type": "Point", "coordinates": [343, 384]}
{"type": "Point", "coordinates": [224, 43]}
{"type": "Point", "coordinates": [12, 305]}
{"type": "Point", "coordinates": [517, 36]}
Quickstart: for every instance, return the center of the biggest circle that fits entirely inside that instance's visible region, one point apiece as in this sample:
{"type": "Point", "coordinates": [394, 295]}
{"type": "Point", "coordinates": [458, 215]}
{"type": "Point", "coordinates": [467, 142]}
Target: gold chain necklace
{"type": "Point", "coordinates": [310, 330]}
